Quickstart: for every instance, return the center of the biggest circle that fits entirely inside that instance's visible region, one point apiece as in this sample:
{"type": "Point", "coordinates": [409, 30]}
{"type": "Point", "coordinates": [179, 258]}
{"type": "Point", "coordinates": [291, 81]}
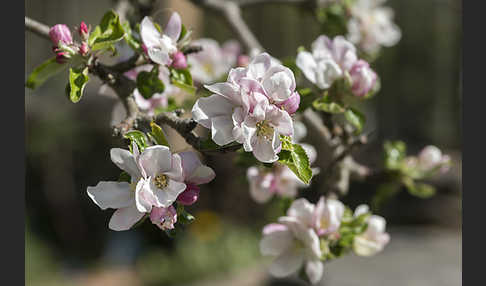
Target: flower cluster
{"type": "Point", "coordinates": [214, 61]}
{"type": "Point", "coordinates": [333, 59]}
{"type": "Point", "coordinates": [158, 179]}
{"type": "Point", "coordinates": [163, 48]}
{"type": "Point", "coordinates": [252, 107]}
{"type": "Point", "coordinates": [310, 234]}
{"type": "Point", "coordinates": [371, 26]}
{"type": "Point", "coordinates": [63, 44]}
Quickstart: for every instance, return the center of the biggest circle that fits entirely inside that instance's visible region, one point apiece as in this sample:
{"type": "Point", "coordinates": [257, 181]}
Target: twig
{"type": "Point", "coordinates": [37, 28]}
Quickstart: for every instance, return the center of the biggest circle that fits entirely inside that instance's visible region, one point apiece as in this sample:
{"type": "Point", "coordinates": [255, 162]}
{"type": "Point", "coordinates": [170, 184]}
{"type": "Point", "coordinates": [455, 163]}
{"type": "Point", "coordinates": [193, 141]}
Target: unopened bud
{"type": "Point", "coordinates": [83, 50]}
{"type": "Point", "coordinates": [60, 33]}
{"type": "Point", "coordinates": [292, 103]}
{"type": "Point", "coordinates": [243, 61]}
{"type": "Point", "coordinates": [189, 196]}
{"type": "Point", "coordinates": [179, 61]}
{"type": "Point", "coordinates": [83, 30]}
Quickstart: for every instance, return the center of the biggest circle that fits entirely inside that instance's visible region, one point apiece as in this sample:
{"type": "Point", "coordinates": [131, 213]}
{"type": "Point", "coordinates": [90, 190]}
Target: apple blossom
{"type": "Point", "coordinates": [293, 245]}
{"type": "Point", "coordinates": [363, 78]}
{"type": "Point", "coordinates": [156, 180]}
{"type": "Point", "coordinates": [194, 173]}
{"type": "Point", "coordinates": [374, 239]}
{"type": "Point", "coordinates": [83, 31]}
{"type": "Point", "coordinates": [161, 47]}
{"type": "Point", "coordinates": [371, 26]}
{"type": "Point", "coordinates": [164, 218]}
{"type": "Point", "coordinates": [179, 61]}
{"type": "Point", "coordinates": [214, 61]}
{"type": "Point", "coordinates": [327, 216]}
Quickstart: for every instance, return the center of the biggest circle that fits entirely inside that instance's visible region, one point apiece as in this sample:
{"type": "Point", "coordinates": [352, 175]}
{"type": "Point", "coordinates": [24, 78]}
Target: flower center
{"type": "Point", "coordinates": [264, 130]}
{"type": "Point", "coordinates": [161, 181]}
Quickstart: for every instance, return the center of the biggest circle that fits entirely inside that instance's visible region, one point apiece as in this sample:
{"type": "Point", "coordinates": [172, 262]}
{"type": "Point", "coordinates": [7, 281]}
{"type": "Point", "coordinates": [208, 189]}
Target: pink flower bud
{"type": "Point", "coordinates": [83, 30]}
{"type": "Point", "coordinates": [145, 50]}
{"type": "Point", "coordinates": [363, 78]}
{"type": "Point", "coordinates": [292, 103]}
{"type": "Point", "coordinates": [164, 218]}
{"type": "Point", "coordinates": [83, 50]}
{"type": "Point", "coordinates": [179, 61]}
{"type": "Point", "coordinates": [189, 196]}
{"type": "Point", "coordinates": [60, 33]}
{"type": "Point", "coordinates": [243, 60]}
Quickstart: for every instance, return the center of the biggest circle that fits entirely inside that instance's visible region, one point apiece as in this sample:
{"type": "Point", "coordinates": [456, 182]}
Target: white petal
{"type": "Point", "coordinates": [365, 247]}
{"type": "Point", "coordinates": [227, 90]}
{"type": "Point", "coordinates": [263, 150]}
{"type": "Point", "coordinates": [302, 210]}
{"type": "Point", "coordinates": [222, 130]}
{"type": "Point", "coordinates": [174, 27]}
{"type": "Point", "coordinates": [141, 102]}
{"type": "Point", "coordinates": [125, 218]}
{"type": "Point", "coordinates": [113, 195]}
{"type": "Point", "coordinates": [287, 263]}
{"type": "Point", "coordinates": [169, 194]}
{"type": "Point", "coordinates": [314, 270]}
{"type": "Point", "coordinates": [259, 66]}
{"type": "Point", "coordinates": [176, 172]}
{"type": "Point", "coordinates": [276, 242]}
{"type": "Point", "coordinates": [125, 161]}
{"type": "Point", "coordinates": [202, 175]}
{"type": "Point", "coordinates": [149, 34]}
{"type": "Point", "coordinates": [279, 83]}
{"type": "Point", "coordinates": [155, 160]}
{"type": "Point", "coordinates": [280, 120]}
{"type": "Point", "coordinates": [307, 64]}
{"type": "Point", "coordinates": [206, 108]}
{"type": "Point", "coordinates": [159, 55]}
{"type": "Point", "coordinates": [144, 198]}
{"type": "Point", "coordinates": [361, 209]}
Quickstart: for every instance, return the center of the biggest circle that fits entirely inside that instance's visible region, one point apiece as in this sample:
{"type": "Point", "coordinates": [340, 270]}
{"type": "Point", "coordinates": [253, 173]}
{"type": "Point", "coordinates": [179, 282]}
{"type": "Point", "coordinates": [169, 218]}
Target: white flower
{"type": "Point", "coordinates": [372, 26]}
{"type": "Point", "coordinates": [329, 60]}
{"type": "Point", "coordinates": [363, 78]}
{"type": "Point", "coordinates": [160, 47]}
{"type": "Point", "coordinates": [431, 158]}
{"type": "Point", "coordinates": [262, 131]}
{"type": "Point", "coordinates": [292, 244]}
{"type": "Point", "coordinates": [213, 62]}
{"type": "Point", "coordinates": [156, 180]}
{"type": "Point", "coordinates": [374, 239]}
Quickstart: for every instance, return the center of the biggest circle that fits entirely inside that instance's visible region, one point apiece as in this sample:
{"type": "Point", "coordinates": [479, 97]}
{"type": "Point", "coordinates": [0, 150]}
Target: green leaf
{"type": "Point", "coordinates": [286, 143]}
{"type": "Point", "coordinates": [183, 32]}
{"type": "Point", "coordinates": [43, 72]}
{"type": "Point", "coordinates": [384, 193]}
{"type": "Point", "coordinates": [149, 83]}
{"type": "Point", "coordinates": [138, 137]}
{"type": "Point", "coordinates": [78, 78]}
{"type": "Point", "coordinates": [355, 118]}
{"type": "Point", "coordinates": [158, 134]}
{"type": "Point", "coordinates": [131, 41]}
{"type": "Point", "coordinates": [297, 161]}
{"type": "Point", "coordinates": [420, 190]}
{"type": "Point", "coordinates": [108, 32]}
{"type": "Point", "coordinates": [182, 79]}
{"type": "Point", "coordinates": [183, 217]}
{"type": "Point", "coordinates": [326, 104]}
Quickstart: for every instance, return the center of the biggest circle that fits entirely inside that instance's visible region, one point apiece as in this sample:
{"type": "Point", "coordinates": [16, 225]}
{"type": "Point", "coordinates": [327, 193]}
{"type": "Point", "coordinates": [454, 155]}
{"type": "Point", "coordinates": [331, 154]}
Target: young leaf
{"type": "Point", "coordinates": [131, 41]}
{"type": "Point", "coordinates": [297, 161]}
{"type": "Point", "coordinates": [420, 190]}
{"type": "Point", "coordinates": [149, 83]}
{"type": "Point", "coordinates": [395, 152]}
{"type": "Point", "coordinates": [78, 78]}
{"type": "Point", "coordinates": [43, 72]}
{"type": "Point", "coordinates": [108, 32]}
{"type": "Point", "coordinates": [355, 118]}
{"type": "Point", "coordinates": [138, 137]}
{"type": "Point", "coordinates": [182, 79]}
{"type": "Point", "coordinates": [158, 134]}
{"type": "Point", "coordinates": [326, 104]}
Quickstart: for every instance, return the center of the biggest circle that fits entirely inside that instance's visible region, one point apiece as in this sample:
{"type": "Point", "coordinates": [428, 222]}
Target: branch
{"type": "Point", "coordinates": [232, 13]}
{"type": "Point", "coordinates": [37, 28]}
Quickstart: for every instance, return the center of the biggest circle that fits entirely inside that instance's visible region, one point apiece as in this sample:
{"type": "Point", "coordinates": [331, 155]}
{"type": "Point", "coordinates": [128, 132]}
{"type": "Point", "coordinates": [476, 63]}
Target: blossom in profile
{"type": "Point", "coordinates": [164, 218]}
{"type": "Point", "coordinates": [374, 239]}
{"type": "Point", "coordinates": [161, 47]}
{"type": "Point", "coordinates": [194, 174]}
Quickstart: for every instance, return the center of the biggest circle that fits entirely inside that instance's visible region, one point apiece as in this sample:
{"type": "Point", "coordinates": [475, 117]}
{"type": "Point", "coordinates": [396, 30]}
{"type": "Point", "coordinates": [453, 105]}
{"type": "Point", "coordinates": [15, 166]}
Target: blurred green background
{"type": "Point", "coordinates": [67, 241]}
